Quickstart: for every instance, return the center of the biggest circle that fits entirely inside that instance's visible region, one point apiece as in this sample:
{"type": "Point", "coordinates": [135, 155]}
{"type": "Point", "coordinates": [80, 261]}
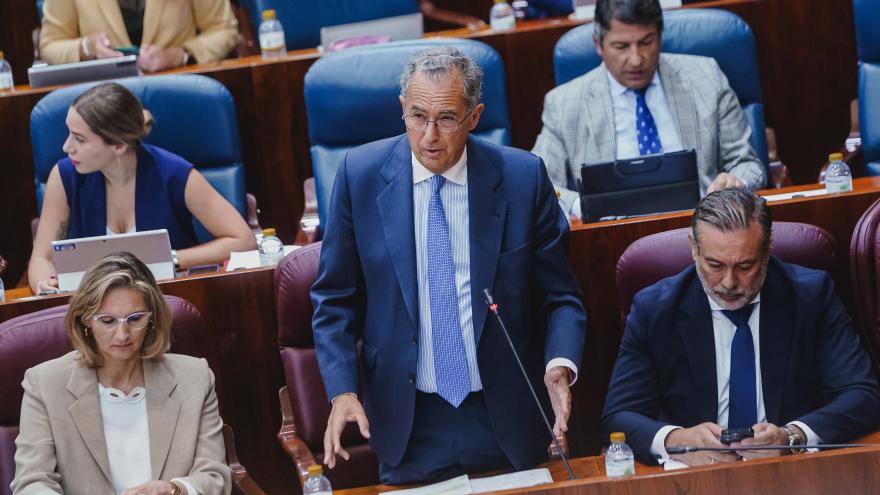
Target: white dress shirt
{"type": "Point", "coordinates": [454, 196]}
{"type": "Point", "coordinates": [724, 330]}
{"type": "Point", "coordinates": [623, 103]}
{"type": "Point", "coordinates": [127, 435]}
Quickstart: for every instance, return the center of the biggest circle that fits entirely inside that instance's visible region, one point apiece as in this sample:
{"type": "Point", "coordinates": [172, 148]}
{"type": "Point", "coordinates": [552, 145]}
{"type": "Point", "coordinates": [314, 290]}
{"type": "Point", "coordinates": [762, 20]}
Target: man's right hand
{"type": "Point", "coordinates": [346, 409]}
{"type": "Point", "coordinates": [702, 435]}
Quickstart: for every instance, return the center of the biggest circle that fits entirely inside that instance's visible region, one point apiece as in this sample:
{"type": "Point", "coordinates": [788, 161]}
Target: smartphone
{"type": "Point", "coordinates": [736, 435]}
{"type": "Point", "coordinates": [127, 50]}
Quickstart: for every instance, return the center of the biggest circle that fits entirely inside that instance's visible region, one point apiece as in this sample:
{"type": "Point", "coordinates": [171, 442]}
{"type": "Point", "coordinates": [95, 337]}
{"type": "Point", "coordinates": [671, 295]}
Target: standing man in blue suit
{"type": "Point", "coordinates": [418, 226]}
{"type": "Point", "coordinates": [739, 340]}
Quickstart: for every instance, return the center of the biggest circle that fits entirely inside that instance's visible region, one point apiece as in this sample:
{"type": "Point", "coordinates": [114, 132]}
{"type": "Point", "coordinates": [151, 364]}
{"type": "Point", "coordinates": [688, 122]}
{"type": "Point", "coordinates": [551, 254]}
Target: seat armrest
{"type": "Point", "coordinates": [553, 453]}
{"type": "Point", "coordinates": [309, 223]}
{"type": "Point", "coordinates": [240, 476]}
{"type": "Point", "coordinates": [292, 444]}
{"type": "Point", "coordinates": [253, 213]}
{"type": "Point", "coordinates": [852, 146]}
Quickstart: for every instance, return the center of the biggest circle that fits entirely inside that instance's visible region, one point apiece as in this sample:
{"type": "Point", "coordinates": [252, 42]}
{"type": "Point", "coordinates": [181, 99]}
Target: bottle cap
{"type": "Point", "coordinates": [267, 233]}
{"type": "Point", "coordinates": [268, 14]}
{"type": "Point", "coordinates": [315, 470]}
{"type": "Point", "coordinates": [1, 54]}
{"type": "Point", "coordinates": [618, 437]}
{"type": "Point", "coordinates": [833, 157]}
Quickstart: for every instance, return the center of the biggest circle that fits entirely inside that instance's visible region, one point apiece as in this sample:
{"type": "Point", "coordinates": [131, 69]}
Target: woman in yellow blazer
{"type": "Point", "coordinates": [172, 32]}
{"type": "Point", "coordinates": [118, 414]}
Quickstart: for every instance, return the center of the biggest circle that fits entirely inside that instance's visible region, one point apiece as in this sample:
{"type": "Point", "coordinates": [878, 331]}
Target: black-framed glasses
{"type": "Point", "coordinates": [135, 321]}
{"type": "Point", "coordinates": [445, 124]}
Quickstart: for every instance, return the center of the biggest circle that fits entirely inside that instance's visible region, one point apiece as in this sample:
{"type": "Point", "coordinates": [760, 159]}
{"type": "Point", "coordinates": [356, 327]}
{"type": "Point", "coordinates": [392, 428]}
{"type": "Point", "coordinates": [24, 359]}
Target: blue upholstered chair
{"type": "Point", "coordinates": [719, 34]}
{"type": "Point", "coordinates": [351, 99]}
{"type": "Point", "coordinates": [194, 117]}
{"type": "Point", "coordinates": [303, 19]}
{"type": "Point", "coordinates": [867, 15]}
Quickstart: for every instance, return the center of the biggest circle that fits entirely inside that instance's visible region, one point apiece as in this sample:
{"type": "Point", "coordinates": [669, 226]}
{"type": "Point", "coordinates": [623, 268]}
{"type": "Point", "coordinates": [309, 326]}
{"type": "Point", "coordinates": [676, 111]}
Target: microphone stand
{"type": "Point", "coordinates": [490, 301]}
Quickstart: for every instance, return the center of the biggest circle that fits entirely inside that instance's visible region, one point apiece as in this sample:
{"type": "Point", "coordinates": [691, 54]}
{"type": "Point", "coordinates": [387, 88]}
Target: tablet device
{"type": "Point", "coordinates": [77, 72]}
{"type": "Point", "coordinates": [639, 186]}
{"type": "Point", "coordinates": [72, 257]}
{"type": "Point", "coordinates": [401, 27]}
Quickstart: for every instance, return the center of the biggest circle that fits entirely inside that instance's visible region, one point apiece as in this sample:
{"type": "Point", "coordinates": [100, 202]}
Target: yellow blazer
{"type": "Point", "coordinates": [61, 446]}
{"type": "Point", "coordinates": [206, 28]}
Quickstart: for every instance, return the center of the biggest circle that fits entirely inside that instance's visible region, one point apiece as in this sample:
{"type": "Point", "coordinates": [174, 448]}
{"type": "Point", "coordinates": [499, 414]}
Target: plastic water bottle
{"type": "Point", "coordinates": [584, 9]}
{"type": "Point", "coordinates": [502, 17]}
{"type": "Point", "coordinates": [838, 177]}
{"type": "Point", "coordinates": [316, 483]}
{"type": "Point", "coordinates": [271, 248]}
{"type": "Point", "coordinates": [272, 43]}
{"type": "Point", "coordinates": [619, 460]}
{"type": "Point", "coordinates": [5, 75]}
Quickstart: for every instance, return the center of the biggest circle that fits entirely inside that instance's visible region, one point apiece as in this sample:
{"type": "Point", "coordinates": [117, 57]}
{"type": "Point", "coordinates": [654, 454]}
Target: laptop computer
{"type": "Point", "coordinates": [77, 72]}
{"type": "Point", "coordinates": [73, 257]}
{"type": "Point", "coordinates": [401, 27]}
{"type": "Point", "coordinates": [639, 186]}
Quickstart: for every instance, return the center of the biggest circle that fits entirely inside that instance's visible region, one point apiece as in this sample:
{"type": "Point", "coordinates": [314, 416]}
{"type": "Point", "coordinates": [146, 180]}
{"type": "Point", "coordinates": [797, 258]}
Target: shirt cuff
{"type": "Point", "coordinates": [812, 437]}
{"type": "Point", "coordinates": [340, 395]}
{"type": "Point", "coordinates": [658, 446]}
{"type": "Point", "coordinates": [186, 486]}
{"type": "Point", "coordinates": [565, 362]}
{"type": "Point", "coordinates": [575, 210]}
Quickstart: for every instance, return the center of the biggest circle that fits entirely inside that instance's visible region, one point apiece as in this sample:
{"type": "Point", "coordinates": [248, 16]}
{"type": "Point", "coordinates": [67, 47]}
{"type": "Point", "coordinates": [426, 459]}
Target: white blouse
{"type": "Point", "coordinates": [127, 434]}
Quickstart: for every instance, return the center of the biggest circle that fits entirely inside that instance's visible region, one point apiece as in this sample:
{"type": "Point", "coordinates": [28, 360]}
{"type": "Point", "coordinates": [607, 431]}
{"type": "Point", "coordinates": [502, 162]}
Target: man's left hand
{"type": "Point", "coordinates": [154, 58]}
{"type": "Point", "coordinates": [765, 434]}
{"type": "Point", "coordinates": [723, 181]}
{"type": "Point", "coordinates": [556, 381]}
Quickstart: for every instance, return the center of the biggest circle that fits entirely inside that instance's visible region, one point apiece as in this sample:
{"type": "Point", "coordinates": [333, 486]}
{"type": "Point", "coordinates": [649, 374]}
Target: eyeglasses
{"type": "Point", "coordinates": [445, 124]}
{"type": "Point", "coordinates": [135, 321]}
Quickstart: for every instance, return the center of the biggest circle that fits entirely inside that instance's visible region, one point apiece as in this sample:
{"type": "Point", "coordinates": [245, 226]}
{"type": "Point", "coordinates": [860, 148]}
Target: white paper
{"type": "Point", "coordinates": [239, 260]}
{"type": "Point", "coordinates": [799, 194]}
{"type": "Point", "coordinates": [520, 479]}
{"type": "Point", "coordinates": [455, 486]}
{"type": "Point", "coordinates": [672, 465]}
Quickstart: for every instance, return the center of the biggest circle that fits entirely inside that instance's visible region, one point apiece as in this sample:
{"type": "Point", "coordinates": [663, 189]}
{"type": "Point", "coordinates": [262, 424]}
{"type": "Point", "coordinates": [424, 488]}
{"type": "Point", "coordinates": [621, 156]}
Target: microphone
{"type": "Point", "coordinates": [684, 449]}
{"type": "Point", "coordinates": [493, 306]}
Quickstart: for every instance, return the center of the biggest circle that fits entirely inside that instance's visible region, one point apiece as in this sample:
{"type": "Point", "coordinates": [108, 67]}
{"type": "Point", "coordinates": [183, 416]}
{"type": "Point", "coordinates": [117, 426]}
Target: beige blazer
{"type": "Point", "coordinates": [579, 124]}
{"type": "Point", "coordinates": [206, 28]}
{"type": "Point", "coordinates": [61, 447]}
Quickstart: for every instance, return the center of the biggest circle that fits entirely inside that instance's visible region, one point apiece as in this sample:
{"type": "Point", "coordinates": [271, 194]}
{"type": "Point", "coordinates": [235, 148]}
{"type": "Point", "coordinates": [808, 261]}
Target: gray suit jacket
{"type": "Point", "coordinates": [61, 447]}
{"type": "Point", "coordinates": [579, 124]}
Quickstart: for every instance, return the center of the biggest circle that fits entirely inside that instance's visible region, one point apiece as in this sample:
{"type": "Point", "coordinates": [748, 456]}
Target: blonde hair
{"type": "Point", "coordinates": [117, 271]}
{"type": "Point", "coordinates": [114, 114]}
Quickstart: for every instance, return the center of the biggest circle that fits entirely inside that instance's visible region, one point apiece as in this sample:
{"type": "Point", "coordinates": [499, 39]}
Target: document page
{"type": "Point", "coordinates": [455, 486]}
{"type": "Point", "coordinates": [520, 479]}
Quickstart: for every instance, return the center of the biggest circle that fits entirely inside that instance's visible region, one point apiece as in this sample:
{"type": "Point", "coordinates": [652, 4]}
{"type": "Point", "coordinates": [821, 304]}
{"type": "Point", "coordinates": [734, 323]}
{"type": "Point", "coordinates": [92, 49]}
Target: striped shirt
{"type": "Point", "coordinates": [454, 196]}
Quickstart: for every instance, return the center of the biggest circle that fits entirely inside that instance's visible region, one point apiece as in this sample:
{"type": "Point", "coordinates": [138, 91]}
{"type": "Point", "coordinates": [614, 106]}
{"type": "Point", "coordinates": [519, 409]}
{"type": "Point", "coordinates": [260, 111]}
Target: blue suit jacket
{"type": "Point", "coordinates": [367, 288]}
{"type": "Point", "coordinates": [813, 368]}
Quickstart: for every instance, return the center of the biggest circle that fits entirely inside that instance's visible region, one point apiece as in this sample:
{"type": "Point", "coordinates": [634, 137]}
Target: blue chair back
{"type": "Point", "coordinates": [867, 15]}
{"type": "Point", "coordinates": [714, 33]}
{"type": "Point", "coordinates": [352, 98]}
{"type": "Point", "coordinates": [303, 19]}
{"type": "Point", "coordinates": [194, 117]}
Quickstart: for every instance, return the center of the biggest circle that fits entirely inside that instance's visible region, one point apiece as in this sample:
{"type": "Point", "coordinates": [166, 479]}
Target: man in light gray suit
{"type": "Point", "coordinates": [640, 101]}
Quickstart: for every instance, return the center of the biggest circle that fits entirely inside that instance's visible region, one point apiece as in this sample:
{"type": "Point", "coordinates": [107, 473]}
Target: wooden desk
{"type": "Point", "coordinates": [795, 37]}
{"type": "Point", "coordinates": [847, 470]}
{"type": "Point", "coordinates": [239, 308]}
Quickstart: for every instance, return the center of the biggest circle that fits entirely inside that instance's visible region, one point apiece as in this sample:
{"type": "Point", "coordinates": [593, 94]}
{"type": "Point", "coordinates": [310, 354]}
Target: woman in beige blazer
{"type": "Point", "coordinates": [174, 33]}
{"type": "Point", "coordinates": [118, 414]}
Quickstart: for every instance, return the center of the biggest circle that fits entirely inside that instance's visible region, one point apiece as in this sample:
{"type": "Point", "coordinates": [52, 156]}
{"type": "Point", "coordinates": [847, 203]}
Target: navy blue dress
{"type": "Point", "coordinates": [159, 197]}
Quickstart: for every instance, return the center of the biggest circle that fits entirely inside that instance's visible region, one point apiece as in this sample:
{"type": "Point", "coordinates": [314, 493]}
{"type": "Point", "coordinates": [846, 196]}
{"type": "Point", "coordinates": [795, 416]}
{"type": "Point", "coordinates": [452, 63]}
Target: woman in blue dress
{"type": "Point", "coordinates": [111, 182]}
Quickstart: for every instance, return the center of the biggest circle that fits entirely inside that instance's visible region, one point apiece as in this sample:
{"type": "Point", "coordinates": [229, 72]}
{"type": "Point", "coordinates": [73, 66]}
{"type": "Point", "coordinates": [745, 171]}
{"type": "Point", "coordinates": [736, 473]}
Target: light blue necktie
{"type": "Point", "coordinates": [646, 128]}
{"type": "Point", "coordinates": [450, 360]}
{"type": "Point", "coordinates": [743, 376]}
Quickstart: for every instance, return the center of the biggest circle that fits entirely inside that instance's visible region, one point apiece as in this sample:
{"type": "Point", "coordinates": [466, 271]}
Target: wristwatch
{"type": "Point", "coordinates": [175, 260]}
{"type": "Point", "coordinates": [795, 438]}
{"type": "Point", "coordinates": [175, 489]}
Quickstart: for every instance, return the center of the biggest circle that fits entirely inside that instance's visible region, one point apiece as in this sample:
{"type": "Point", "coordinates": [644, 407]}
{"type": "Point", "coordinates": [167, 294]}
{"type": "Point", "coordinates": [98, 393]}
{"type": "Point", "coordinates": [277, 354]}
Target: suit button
{"type": "Point", "coordinates": [412, 378]}
{"type": "Point", "coordinates": [415, 341]}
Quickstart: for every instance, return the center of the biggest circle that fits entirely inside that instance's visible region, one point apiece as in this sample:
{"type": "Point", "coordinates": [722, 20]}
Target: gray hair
{"type": "Point", "coordinates": [733, 209]}
{"type": "Point", "coordinates": [438, 63]}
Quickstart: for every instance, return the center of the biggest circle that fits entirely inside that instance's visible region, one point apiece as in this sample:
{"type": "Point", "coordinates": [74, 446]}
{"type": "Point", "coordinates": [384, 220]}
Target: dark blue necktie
{"type": "Point", "coordinates": [646, 128]}
{"type": "Point", "coordinates": [450, 360]}
{"type": "Point", "coordinates": [743, 391]}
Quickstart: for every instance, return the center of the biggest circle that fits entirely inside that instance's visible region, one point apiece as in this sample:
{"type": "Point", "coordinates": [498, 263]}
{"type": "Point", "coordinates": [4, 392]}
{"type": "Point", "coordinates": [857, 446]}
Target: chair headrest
{"type": "Point", "coordinates": [193, 116]}
{"type": "Point", "coordinates": [352, 96]}
{"type": "Point", "coordinates": [867, 18]}
{"type": "Point", "coordinates": [714, 33]}
{"type": "Point", "coordinates": [294, 277]}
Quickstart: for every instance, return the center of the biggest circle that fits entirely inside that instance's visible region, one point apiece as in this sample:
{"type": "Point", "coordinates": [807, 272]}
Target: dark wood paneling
{"type": "Point", "coordinates": [18, 18]}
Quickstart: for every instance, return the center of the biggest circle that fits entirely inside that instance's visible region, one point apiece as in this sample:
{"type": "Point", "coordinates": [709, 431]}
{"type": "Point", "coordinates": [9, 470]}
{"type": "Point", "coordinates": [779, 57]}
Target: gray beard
{"type": "Point", "coordinates": [747, 296]}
